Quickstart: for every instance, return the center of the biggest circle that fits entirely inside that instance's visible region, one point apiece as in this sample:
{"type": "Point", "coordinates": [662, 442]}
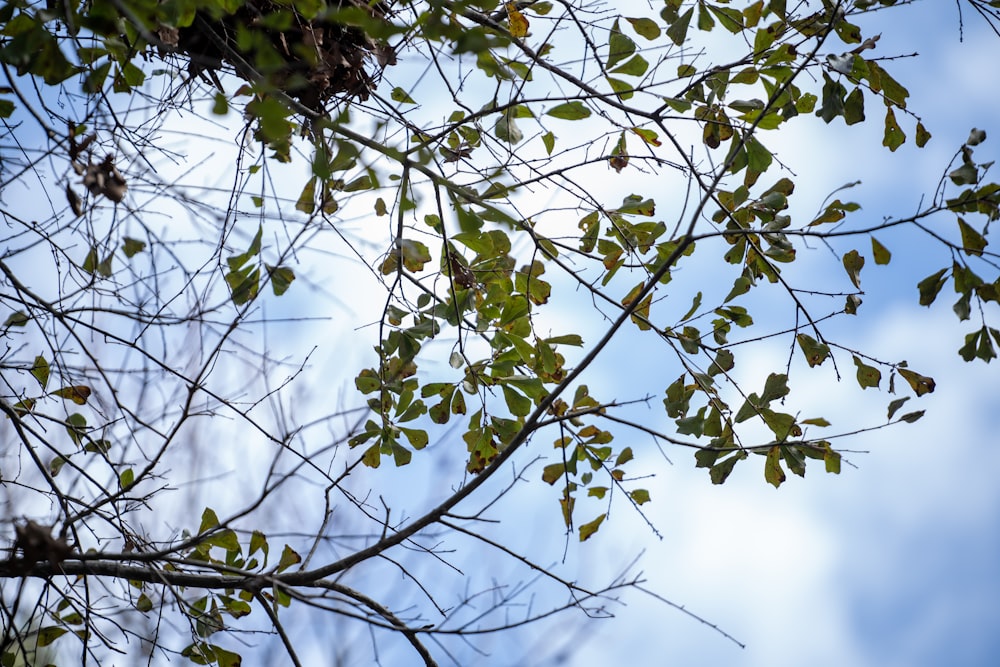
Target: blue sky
{"type": "Point", "coordinates": [893, 562]}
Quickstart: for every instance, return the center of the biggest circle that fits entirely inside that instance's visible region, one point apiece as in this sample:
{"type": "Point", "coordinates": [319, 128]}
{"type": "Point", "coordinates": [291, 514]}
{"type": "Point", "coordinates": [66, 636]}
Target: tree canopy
{"type": "Point", "coordinates": [301, 297]}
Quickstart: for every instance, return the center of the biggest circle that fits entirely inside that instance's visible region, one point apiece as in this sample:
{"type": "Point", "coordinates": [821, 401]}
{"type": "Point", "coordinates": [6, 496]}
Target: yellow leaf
{"type": "Point", "coordinates": [78, 394]}
{"type": "Point", "coordinates": [518, 24]}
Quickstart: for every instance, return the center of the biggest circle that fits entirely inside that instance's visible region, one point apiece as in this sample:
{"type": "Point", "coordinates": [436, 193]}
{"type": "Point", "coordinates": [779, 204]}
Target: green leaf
{"type": "Point", "coordinates": [258, 542]}
{"type": "Point", "coordinates": [97, 446]}
{"type": "Point", "coordinates": [758, 159]}
{"type": "Point", "coordinates": [930, 286]}
{"type": "Point", "coordinates": [868, 376]}
{"type": "Point", "coordinates": [880, 252]}
{"type": "Point", "coordinates": [853, 263]}
{"type": "Point", "coordinates": [40, 371]}
{"type": "Point", "coordinates": [288, 558]}
{"type": "Point", "coordinates": [549, 140]}
{"type": "Point", "coordinates": [307, 198]}
{"type": "Point", "coordinates": [574, 110]}
{"type": "Point", "coordinates": [507, 130]}
{"type": "Point", "coordinates": [893, 91]}
{"type": "Point", "coordinates": [923, 136]}
{"type": "Point", "coordinates": [740, 286]}
{"type": "Point", "coordinates": [645, 27]}
{"type": "Point", "coordinates": [775, 387]}
{"type": "Point", "coordinates": [973, 242]}
{"type": "Point", "coordinates": [833, 99]}
{"type": "Point", "coordinates": [623, 457]}
{"type": "Point", "coordinates": [90, 261]}
{"type": "Point", "coordinates": [568, 339]}
{"type": "Point", "coordinates": [48, 635]}
{"type": "Point", "coordinates": [400, 95]}
{"type": "Point", "coordinates": [831, 460]}
{"type": "Point", "coordinates": [553, 472]}
{"type": "Point", "coordinates": [731, 19]}
{"type": "Point", "coordinates": [649, 136]}
{"type": "Point", "coordinates": [620, 46]}
{"type": "Point", "coordinates": [226, 540]}
{"type": "Point", "coordinates": [237, 261]}
{"type": "Point", "coordinates": [815, 351]}
{"type": "Point", "coordinates": [637, 205]}
{"type": "Point", "coordinates": [721, 470]}
{"type": "Point", "coordinates": [132, 247]}
{"type": "Point", "coordinates": [220, 105]}
{"type": "Point", "coordinates": [56, 464]}
{"type": "Point", "coordinates": [518, 404]}
{"type": "Point", "coordinates": [772, 467]}
{"type": "Point", "coordinates": [895, 405]}
{"type": "Point", "coordinates": [921, 384]}
{"type": "Point", "coordinates": [143, 603]}
{"type": "Point", "coordinates": [244, 284]}
{"type": "Point", "coordinates": [76, 393]}
{"type": "Point", "coordinates": [591, 527]}
{"type": "Point", "coordinates": [636, 66]}
{"type": "Point", "coordinates": [677, 32]}
{"type": "Point", "coordinates": [209, 520]}
{"type": "Point", "coordinates": [18, 318]}
{"type": "Point", "coordinates": [639, 496]}
{"type": "Point", "coordinates": [894, 136]}
{"type": "Point", "coordinates": [415, 254]}
{"type": "Point", "coordinates": [854, 107]}
{"type": "Point", "coordinates": [977, 345]}
{"type": "Point", "coordinates": [281, 278]}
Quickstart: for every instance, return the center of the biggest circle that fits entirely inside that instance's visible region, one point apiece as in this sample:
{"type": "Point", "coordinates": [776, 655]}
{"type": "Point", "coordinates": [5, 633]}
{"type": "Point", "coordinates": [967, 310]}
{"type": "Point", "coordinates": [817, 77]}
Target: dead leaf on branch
{"type": "Point", "coordinates": [36, 543]}
{"type": "Point", "coordinates": [103, 178]}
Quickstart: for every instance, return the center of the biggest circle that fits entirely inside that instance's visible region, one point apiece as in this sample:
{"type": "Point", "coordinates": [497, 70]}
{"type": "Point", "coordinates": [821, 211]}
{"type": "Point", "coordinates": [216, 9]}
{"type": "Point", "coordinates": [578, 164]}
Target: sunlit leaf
{"type": "Point", "coordinates": [40, 371]}
{"type": "Point", "coordinates": [921, 384]}
{"type": "Point", "coordinates": [815, 351]}
{"type": "Point", "coordinates": [401, 96]}
{"type": "Point", "coordinates": [649, 136]}
{"type": "Point", "coordinates": [645, 27]}
{"type": "Point", "coordinates": [75, 393]}
{"type": "Point", "coordinates": [16, 319]}
{"type": "Point", "coordinates": [591, 527]}
{"type": "Point", "coordinates": [306, 201]}
{"type": "Point", "coordinates": [516, 20]}
{"type": "Point", "coordinates": [868, 376]}
{"type": "Point", "coordinates": [209, 520]}
{"type": "Point", "coordinates": [288, 558]}
{"type": "Point", "coordinates": [620, 46]}
{"type": "Point", "coordinates": [880, 252]}
{"type": "Point", "coordinates": [772, 467]}
{"type": "Point", "coordinates": [553, 472]}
